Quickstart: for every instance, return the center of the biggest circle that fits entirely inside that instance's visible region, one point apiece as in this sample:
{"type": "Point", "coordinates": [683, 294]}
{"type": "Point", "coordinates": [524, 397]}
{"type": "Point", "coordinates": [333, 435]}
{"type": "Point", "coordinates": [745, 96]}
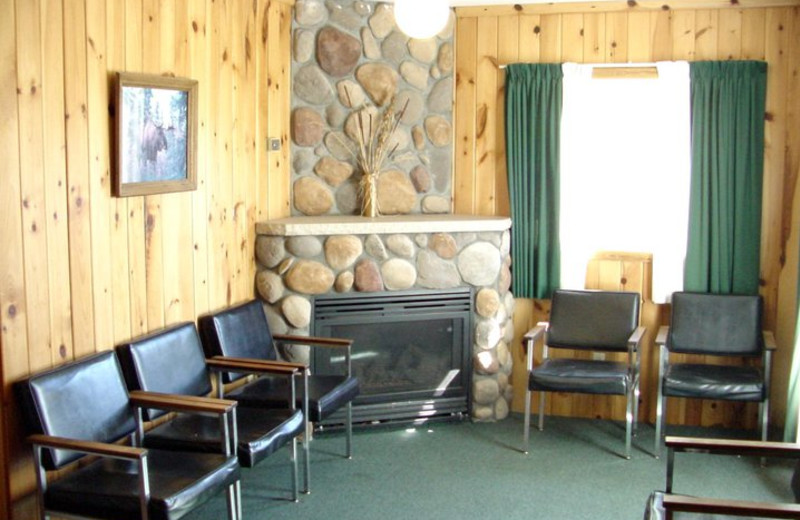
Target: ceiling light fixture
{"type": "Point", "coordinates": [421, 18]}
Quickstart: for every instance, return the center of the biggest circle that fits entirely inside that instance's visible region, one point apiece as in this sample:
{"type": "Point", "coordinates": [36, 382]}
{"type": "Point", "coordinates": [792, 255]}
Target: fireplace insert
{"type": "Point", "coordinates": [411, 351]}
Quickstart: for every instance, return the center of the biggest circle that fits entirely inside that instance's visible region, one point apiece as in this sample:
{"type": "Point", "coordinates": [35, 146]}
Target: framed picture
{"type": "Point", "coordinates": [156, 134]}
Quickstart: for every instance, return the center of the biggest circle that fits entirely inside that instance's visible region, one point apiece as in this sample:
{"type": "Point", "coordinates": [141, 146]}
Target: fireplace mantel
{"type": "Point", "coordinates": [356, 225]}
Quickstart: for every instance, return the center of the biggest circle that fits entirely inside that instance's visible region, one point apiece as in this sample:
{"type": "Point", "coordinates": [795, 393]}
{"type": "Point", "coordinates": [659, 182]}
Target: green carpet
{"type": "Point", "coordinates": [473, 470]}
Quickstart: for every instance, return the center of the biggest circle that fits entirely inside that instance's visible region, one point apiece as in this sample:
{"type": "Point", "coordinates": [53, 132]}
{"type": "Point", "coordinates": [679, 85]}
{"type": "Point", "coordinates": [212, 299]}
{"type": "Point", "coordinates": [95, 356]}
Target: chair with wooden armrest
{"type": "Point", "coordinates": [84, 408]}
{"type": "Point", "coordinates": [598, 321]}
{"type": "Point", "coordinates": [172, 361]}
{"type": "Point", "coordinates": [667, 505]}
{"type": "Point", "coordinates": [722, 327]}
{"type": "Point", "coordinates": [243, 332]}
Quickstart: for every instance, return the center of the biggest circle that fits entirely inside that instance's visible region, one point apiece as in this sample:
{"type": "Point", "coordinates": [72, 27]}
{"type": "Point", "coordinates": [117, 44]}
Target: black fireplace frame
{"type": "Point", "coordinates": [416, 306]}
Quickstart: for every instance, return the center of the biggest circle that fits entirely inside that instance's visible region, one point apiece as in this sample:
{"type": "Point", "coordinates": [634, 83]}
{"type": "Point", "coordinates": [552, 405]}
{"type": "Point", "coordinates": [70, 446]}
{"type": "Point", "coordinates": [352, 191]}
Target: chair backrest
{"type": "Point", "coordinates": [241, 331]}
{"type": "Point", "coordinates": [169, 361]}
{"type": "Point", "coordinates": [716, 324]}
{"type": "Point", "coordinates": [592, 320]}
{"type": "Point", "coordinates": [83, 400]}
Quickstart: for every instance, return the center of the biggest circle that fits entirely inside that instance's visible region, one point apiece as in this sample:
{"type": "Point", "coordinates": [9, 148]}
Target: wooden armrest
{"type": "Point", "coordinates": [535, 332]}
{"type": "Point", "coordinates": [181, 403]}
{"type": "Point", "coordinates": [93, 447]}
{"type": "Point", "coordinates": [733, 447]}
{"type": "Point", "coordinates": [769, 340]}
{"type": "Point", "coordinates": [638, 334]}
{"type": "Point", "coordinates": [661, 337]}
{"type": "Point", "coordinates": [313, 341]}
{"type": "Point", "coordinates": [730, 507]}
{"type": "Point", "coordinates": [253, 366]}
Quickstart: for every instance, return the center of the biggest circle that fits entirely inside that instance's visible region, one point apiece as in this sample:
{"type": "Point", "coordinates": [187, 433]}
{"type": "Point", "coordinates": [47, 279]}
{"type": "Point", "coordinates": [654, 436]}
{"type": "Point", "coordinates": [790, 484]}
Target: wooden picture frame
{"type": "Point", "coordinates": [156, 134]}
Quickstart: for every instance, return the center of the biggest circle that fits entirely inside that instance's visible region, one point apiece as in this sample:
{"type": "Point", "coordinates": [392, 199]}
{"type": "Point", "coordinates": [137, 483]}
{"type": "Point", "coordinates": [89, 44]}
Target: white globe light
{"type": "Point", "coordinates": [421, 18]}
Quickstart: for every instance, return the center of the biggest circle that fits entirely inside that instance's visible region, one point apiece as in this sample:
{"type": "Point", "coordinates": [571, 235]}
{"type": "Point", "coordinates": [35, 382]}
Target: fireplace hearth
{"type": "Point", "coordinates": [411, 351]}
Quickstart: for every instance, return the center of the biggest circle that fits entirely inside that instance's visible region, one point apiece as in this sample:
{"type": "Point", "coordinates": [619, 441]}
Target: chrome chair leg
{"type": "Point", "coordinates": [526, 431]}
{"type": "Point", "coordinates": [350, 430]}
{"type": "Point", "coordinates": [541, 410]}
{"type": "Point", "coordinates": [629, 423]}
{"type": "Point", "coordinates": [660, 405]}
{"type": "Point", "coordinates": [293, 458]}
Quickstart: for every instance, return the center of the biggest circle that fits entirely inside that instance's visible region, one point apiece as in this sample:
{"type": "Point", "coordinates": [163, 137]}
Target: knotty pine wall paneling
{"type": "Point", "coordinates": [649, 31]}
{"type": "Point", "coordinates": [81, 270]}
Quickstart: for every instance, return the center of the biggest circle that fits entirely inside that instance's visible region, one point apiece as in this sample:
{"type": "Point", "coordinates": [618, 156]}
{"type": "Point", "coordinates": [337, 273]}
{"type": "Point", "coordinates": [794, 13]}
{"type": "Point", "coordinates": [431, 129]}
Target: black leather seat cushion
{"type": "Point", "coordinates": [260, 433]}
{"type": "Point", "coordinates": [326, 394]}
{"type": "Point", "coordinates": [178, 483]}
{"type": "Point", "coordinates": [579, 375]}
{"type": "Point", "coordinates": [740, 383]}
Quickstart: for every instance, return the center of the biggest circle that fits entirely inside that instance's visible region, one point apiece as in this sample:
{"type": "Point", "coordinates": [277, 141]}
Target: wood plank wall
{"type": "Point", "coordinates": [81, 270]}
{"type": "Point", "coordinates": [646, 32]}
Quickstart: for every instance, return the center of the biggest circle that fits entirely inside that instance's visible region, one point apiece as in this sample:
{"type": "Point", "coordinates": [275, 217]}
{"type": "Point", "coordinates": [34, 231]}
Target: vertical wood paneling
{"type": "Point", "coordinates": [683, 39]}
{"type": "Point", "coordinates": [706, 34]}
{"type": "Point", "coordinates": [137, 242]}
{"type": "Point", "coordinates": [572, 37]}
{"type": "Point", "coordinates": [486, 130]}
{"type": "Point", "coordinates": [118, 211]}
{"type": "Point", "coordinates": [730, 34]}
{"type": "Point", "coordinates": [776, 52]}
{"type": "Point", "coordinates": [508, 47]}
{"type": "Point", "coordinates": [99, 172]}
{"type": "Point", "coordinates": [279, 85]}
{"type": "Point", "coordinates": [55, 171]}
{"type": "Point", "coordinates": [616, 37]}
{"type": "Point", "coordinates": [153, 222]}
{"type": "Point", "coordinates": [99, 269]}
{"type": "Point", "coordinates": [753, 39]}
{"type": "Point", "coordinates": [32, 186]}
{"type": "Point", "coordinates": [77, 154]}
{"type": "Point", "coordinates": [550, 40]}
{"type": "Point", "coordinates": [13, 307]}
{"type": "Point", "coordinates": [198, 67]}
{"type": "Point", "coordinates": [640, 44]}
{"type": "Point", "coordinates": [594, 38]}
{"type": "Point", "coordinates": [530, 31]}
{"type": "Point", "coordinates": [644, 35]}
{"type": "Point", "coordinates": [465, 112]}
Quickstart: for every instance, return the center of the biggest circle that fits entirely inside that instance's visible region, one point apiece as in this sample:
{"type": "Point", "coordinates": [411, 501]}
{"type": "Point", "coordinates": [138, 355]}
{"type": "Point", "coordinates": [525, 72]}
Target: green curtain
{"type": "Point", "coordinates": [533, 125]}
{"type": "Point", "coordinates": [728, 104]}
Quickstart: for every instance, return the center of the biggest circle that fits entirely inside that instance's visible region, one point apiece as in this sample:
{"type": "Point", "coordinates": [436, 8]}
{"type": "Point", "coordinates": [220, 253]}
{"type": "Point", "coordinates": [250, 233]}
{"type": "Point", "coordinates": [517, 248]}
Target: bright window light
{"type": "Point", "coordinates": [625, 164]}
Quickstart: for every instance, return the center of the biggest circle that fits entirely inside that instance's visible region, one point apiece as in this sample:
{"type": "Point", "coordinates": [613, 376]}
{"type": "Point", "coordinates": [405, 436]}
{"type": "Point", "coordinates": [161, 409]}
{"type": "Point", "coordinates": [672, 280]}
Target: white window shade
{"type": "Point", "coordinates": [625, 166]}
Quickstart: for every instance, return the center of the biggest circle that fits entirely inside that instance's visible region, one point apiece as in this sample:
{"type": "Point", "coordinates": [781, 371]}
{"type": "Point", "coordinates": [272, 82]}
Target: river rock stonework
{"type": "Point", "coordinates": [292, 269]}
{"type": "Point", "coordinates": [349, 54]}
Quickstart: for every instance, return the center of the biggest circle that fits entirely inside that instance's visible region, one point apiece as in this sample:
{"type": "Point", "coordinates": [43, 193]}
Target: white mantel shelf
{"type": "Point", "coordinates": [356, 225]}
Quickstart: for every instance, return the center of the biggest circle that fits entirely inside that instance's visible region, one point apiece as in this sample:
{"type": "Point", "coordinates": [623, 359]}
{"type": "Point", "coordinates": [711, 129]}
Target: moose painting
{"type": "Point", "coordinates": [155, 134]}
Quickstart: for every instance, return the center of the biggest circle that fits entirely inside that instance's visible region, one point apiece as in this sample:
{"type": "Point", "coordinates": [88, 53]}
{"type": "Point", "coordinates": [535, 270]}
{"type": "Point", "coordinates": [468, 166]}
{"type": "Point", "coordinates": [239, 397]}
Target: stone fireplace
{"type": "Point", "coordinates": [300, 258]}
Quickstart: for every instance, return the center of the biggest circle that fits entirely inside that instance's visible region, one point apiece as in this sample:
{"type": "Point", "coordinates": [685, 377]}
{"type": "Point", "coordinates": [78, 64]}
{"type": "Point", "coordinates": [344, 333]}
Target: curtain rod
{"type": "Point", "coordinates": [615, 70]}
{"type": "Point", "coordinates": [594, 65]}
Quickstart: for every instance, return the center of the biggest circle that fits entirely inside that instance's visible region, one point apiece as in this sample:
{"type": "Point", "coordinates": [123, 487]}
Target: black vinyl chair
{"type": "Point", "coordinates": [666, 505]}
{"type": "Point", "coordinates": [598, 321]}
{"type": "Point", "coordinates": [242, 332]}
{"type": "Point", "coordinates": [722, 326]}
{"type": "Point", "coordinates": [83, 408]}
{"type": "Point", "coordinates": [172, 361]}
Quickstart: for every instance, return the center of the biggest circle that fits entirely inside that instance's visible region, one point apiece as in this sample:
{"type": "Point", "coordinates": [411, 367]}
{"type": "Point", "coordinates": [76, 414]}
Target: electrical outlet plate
{"type": "Point", "coordinates": [274, 144]}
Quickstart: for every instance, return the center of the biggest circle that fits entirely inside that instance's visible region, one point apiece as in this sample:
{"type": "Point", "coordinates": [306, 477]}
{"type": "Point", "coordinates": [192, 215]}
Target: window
{"type": "Point", "coordinates": [625, 170]}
